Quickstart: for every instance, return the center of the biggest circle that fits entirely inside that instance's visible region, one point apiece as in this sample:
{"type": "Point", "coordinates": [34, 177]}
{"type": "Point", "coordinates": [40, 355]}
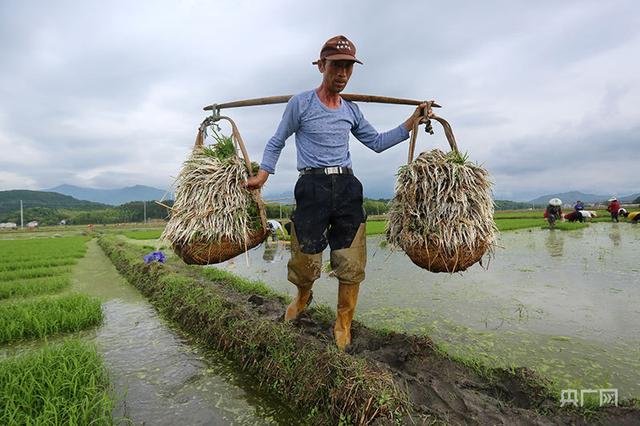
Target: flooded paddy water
{"type": "Point", "coordinates": [565, 303]}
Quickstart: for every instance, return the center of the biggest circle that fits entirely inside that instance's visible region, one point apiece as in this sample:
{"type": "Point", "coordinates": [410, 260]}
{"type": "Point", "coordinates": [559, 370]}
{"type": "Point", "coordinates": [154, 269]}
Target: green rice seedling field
{"type": "Point", "coordinates": [63, 384]}
{"type": "Point", "coordinates": [29, 273]}
{"type": "Point", "coordinates": [12, 250]}
{"type": "Point", "coordinates": [150, 234]}
{"type": "Point", "coordinates": [376, 225]}
{"type": "Point", "coordinates": [48, 315]}
{"type": "Point", "coordinates": [513, 224]}
{"type": "Point", "coordinates": [33, 264]}
{"type": "Point", "coordinates": [30, 267]}
{"type": "Point", "coordinates": [34, 286]}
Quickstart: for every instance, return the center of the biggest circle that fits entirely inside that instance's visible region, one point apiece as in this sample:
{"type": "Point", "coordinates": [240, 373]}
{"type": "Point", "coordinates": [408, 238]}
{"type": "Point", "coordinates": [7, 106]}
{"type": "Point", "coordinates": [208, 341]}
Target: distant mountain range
{"type": "Point", "coordinates": [573, 196]}
{"type": "Point", "coordinates": [10, 201]}
{"type": "Point", "coordinates": [113, 197]}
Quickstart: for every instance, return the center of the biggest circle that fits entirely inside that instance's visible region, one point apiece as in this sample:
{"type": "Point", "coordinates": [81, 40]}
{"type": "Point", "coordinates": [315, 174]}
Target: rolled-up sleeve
{"type": "Point", "coordinates": [288, 125]}
{"type": "Point", "coordinates": [365, 133]}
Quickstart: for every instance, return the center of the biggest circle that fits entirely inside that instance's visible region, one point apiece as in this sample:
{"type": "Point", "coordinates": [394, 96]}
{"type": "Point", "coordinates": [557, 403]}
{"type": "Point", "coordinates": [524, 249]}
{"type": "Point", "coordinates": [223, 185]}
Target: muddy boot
{"type": "Point", "coordinates": [302, 300]}
{"type": "Point", "coordinates": [347, 300]}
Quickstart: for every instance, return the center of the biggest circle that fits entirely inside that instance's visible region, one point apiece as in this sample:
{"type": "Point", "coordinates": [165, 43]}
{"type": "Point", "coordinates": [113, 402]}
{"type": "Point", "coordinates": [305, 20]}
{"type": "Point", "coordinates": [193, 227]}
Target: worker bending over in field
{"type": "Point", "coordinates": [633, 217]}
{"type": "Point", "coordinates": [553, 211]}
{"type": "Point", "coordinates": [328, 196]}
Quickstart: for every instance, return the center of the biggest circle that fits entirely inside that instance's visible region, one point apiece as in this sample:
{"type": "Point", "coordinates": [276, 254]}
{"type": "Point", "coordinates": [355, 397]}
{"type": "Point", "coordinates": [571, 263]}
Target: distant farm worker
{"type": "Point", "coordinates": [275, 227]}
{"type": "Point", "coordinates": [553, 211]}
{"type": "Point", "coordinates": [574, 216]}
{"type": "Point", "coordinates": [588, 214]}
{"type": "Point", "coordinates": [634, 217]}
{"type": "Point", "coordinates": [329, 198]}
{"type": "Point", "coordinates": [614, 206]}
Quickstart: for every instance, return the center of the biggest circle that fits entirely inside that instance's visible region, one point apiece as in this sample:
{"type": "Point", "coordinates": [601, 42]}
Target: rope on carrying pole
{"type": "Point", "coordinates": [237, 138]}
{"type": "Point", "coordinates": [445, 125]}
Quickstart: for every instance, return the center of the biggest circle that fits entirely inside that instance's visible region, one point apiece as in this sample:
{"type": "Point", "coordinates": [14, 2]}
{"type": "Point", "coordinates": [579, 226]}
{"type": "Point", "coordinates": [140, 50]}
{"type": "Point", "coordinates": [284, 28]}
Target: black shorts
{"type": "Point", "coordinates": [328, 211]}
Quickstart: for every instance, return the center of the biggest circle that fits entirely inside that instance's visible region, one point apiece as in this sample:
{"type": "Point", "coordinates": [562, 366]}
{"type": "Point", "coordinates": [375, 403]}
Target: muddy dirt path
{"type": "Point", "coordinates": [558, 302]}
{"type": "Point", "coordinates": [439, 388]}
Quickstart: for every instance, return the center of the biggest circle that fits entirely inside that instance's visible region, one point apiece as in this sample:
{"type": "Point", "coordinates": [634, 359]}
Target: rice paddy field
{"type": "Point", "coordinates": [59, 383]}
{"type": "Point", "coordinates": [79, 344]}
{"type": "Point", "coordinates": [562, 302]}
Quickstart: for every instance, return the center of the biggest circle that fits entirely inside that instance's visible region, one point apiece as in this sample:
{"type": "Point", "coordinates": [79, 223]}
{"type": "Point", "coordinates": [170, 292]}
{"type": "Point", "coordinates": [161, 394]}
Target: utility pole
{"type": "Point", "coordinates": [21, 216]}
{"type": "Point", "coordinates": [144, 204]}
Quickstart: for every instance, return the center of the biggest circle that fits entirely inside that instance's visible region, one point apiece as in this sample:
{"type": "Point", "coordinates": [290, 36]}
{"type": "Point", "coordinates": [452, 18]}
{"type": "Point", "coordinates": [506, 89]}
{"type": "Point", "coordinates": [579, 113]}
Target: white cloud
{"type": "Point", "coordinates": [110, 94]}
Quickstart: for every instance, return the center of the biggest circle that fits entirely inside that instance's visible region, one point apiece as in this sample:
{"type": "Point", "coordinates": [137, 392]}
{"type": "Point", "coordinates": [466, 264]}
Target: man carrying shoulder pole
{"type": "Point", "coordinates": [328, 196]}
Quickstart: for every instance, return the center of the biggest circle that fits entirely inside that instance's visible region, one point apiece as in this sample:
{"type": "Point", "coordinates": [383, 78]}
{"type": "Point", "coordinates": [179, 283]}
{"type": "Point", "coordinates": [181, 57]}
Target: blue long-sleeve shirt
{"type": "Point", "coordinates": [322, 134]}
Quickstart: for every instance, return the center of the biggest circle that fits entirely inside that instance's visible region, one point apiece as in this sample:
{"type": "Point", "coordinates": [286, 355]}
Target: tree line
{"type": "Point", "coordinates": [130, 212]}
{"type": "Point", "coordinates": [134, 212]}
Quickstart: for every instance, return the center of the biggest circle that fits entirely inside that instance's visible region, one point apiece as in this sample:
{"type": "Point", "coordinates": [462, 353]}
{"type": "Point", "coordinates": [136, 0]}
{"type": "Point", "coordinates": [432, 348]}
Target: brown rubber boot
{"type": "Point", "coordinates": [302, 300]}
{"type": "Point", "coordinates": [347, 300]}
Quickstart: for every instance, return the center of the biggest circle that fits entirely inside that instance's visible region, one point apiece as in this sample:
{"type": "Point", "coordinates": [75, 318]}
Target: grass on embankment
{"type": "Point", "coordinates": [150, 234]}
{"type": "Point", "coordinates": [239, 284]}
{"type": "Point", "coordinates": [314, 377]}
{"type": "Point", "coordinates": [64, 384]}
{"type": "Point", "coordinates": [46, 316]}
{"type": "Point", "coordinates": [33, 287]}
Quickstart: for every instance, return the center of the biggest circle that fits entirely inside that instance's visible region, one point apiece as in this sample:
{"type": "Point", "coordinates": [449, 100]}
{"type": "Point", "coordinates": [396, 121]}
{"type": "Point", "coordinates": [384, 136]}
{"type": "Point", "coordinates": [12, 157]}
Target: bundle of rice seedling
{"type": "Point", "coordinates": [214, 216]}
{"type": "Point", "coordinates": [442, 211]}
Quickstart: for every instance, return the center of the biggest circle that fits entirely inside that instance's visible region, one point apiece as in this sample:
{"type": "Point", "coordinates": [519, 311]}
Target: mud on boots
{"type": "Point", "coordinates": [329, 198]}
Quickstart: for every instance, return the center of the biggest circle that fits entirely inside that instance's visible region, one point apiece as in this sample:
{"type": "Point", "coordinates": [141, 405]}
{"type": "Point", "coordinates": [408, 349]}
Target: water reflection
{"type": "Point", "coordinates": [163, 377]}
{"type": "Point", "coordinates": [274, 251]}
{"type": "Point", "coordinates": [614, 234]}
{"type": "Point", "coordinates": [555, 243]}
{"type": "Point", "coordinates": [548, 307]}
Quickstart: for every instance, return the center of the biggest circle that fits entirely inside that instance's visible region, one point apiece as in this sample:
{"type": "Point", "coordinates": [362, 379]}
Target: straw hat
{"type": "Point", "coordinates": [557, 202]}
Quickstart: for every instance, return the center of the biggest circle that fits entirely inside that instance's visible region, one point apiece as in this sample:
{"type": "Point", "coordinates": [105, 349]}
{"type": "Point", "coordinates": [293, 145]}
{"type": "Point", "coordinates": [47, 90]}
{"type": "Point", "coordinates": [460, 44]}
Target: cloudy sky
{"type": "Point", "coordinates": [102, 94]}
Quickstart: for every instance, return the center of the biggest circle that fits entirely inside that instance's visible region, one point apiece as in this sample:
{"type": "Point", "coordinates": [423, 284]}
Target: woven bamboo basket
{"type": "Point", "coordinates": [208, 253]}
{"type": "Point", "coordinates": [204, 252]}
{"type": "Point", "coordinates": [439, 224]}
{"type": "Point", "coordinates": [431, 258]}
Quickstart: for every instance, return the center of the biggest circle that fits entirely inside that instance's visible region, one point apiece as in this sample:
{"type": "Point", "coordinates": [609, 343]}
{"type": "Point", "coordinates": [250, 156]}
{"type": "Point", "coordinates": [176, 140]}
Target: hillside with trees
{"type": "Point", "coordinates": [10, 201]}
{"type": "Point", "coordinates": [49, 208]}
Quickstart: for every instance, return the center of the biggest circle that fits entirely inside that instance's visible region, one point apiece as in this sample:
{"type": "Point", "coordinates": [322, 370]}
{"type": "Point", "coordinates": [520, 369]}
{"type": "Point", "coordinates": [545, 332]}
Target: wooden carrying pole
{"type": "Point", "coordinates": [284, 99]}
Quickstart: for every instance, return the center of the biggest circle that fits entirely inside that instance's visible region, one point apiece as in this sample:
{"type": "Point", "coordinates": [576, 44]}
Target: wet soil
{"type": "Point", "coordinates": [558, 302]}
{"type": "Point", "coordinates": [441, 390]}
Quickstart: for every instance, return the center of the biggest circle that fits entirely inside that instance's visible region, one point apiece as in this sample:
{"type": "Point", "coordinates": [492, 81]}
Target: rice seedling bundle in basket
{"type": "Point", "coordinates": [214, 216]}
{"type": "Point", "coordinates": [442, 213]}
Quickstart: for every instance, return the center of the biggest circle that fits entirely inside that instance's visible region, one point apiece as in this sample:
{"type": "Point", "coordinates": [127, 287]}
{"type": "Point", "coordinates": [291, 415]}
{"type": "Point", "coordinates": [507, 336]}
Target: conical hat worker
{"type": "Point", "coordinates": [328, 195]}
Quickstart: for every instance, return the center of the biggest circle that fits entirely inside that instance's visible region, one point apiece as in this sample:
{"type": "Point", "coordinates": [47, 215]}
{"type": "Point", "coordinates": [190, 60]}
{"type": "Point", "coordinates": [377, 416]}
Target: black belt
{"type": "Point", "coordinates": [327, 171]}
